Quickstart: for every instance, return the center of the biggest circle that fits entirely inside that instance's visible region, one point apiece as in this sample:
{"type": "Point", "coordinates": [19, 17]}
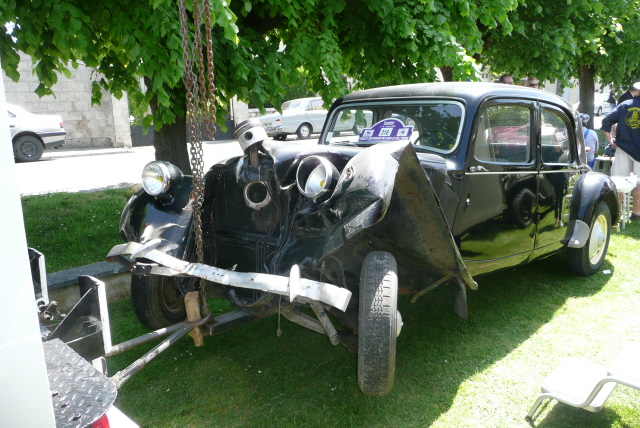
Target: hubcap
{"type": "Point", "coordinates": [304, 131]}
{"type": "Point", "coordinates": [597, 239]}
{"type": "Point", "coordinates": [28, 149]}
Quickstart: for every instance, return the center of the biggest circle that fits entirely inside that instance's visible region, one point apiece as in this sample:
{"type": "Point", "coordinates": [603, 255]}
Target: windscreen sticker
{"type": "Point", "coordinates": [386, 130]}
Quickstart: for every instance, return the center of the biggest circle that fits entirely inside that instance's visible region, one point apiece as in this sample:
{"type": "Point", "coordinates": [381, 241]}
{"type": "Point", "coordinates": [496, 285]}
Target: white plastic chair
{"type": "Point", "coordinates": [586, 385]}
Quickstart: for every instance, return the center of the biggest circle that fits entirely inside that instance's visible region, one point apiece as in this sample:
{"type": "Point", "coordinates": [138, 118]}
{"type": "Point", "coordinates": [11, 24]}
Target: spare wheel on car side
{"type": "Point", "coordinates": [588, 259]}
{"type": "Point", "coordinates": [377, 323]}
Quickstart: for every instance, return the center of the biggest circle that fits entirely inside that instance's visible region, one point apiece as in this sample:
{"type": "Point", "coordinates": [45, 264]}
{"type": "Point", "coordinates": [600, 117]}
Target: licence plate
{"type": "Point", "coordinates": [266, 123]}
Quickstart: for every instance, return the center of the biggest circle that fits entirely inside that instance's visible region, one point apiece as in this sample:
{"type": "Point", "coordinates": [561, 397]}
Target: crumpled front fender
{"type": "Point", "coordinates": [385, 201]}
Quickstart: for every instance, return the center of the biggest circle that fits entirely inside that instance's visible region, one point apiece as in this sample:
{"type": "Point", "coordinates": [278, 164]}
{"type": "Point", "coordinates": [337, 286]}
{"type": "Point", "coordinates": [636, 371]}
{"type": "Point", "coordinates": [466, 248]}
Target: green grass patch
{"type": "Point", "coordinates": [74, 229]}
{"type": "Point", "coordinates": [485, 371]}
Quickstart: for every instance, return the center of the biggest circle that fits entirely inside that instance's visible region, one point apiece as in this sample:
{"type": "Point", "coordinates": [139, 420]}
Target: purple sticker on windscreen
{"type": "Point", "coordinates": [386, 130]}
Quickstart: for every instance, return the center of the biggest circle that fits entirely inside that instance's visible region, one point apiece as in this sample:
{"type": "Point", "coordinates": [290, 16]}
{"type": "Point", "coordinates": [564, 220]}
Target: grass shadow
{"type": "Point", "coordinates": [251, 377]}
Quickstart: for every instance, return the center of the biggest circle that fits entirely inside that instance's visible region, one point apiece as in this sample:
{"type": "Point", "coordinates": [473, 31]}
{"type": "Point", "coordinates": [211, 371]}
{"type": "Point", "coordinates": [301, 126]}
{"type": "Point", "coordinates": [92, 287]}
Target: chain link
{"type": "Point", "coordinates": [201, 109]}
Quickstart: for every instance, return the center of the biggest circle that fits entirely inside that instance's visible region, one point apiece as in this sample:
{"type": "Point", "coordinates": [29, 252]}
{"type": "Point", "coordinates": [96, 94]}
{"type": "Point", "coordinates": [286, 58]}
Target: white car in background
{"type": "Point", "coordinates": [600, 104]}
{"type": "Point", "coordinates": [32, 133]}
{"type": "Point", "coordinates": [302, 117]}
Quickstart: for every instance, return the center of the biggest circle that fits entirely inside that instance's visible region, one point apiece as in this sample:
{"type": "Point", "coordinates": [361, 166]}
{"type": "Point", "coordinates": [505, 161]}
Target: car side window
{"type": "Point", "coordinates": [317, 105]}
{"type": "Point", "coordinates": [504, 135]}
{"type": "Point", "coordinates": [555, 137]}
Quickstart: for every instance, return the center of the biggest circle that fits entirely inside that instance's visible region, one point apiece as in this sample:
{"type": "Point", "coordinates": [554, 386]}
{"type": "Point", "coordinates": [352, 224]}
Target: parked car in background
{"type": "Point", "coordinates": [32, 133]}
{"type": "Point", "coordinates": [301, 117]}
{"type": "Point", "coordinates": [600, 104]}
{"type": "Point", "coordinates": [437, 184]}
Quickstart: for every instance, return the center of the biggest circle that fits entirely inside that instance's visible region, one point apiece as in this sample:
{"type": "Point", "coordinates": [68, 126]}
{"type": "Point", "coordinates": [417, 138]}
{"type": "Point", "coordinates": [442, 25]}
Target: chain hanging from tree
{"type": "Point", "coordinates": [201, 108]}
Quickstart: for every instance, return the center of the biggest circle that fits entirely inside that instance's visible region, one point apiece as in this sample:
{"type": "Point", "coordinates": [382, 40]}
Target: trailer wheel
{"type": "Point", "coordinates": [377, 323]}
{"type": "Point", "coordinates": [157, 301]}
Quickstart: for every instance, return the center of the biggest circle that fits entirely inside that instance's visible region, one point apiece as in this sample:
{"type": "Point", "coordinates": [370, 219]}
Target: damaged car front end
{"type": "Point", "coordinates": [334, 226]}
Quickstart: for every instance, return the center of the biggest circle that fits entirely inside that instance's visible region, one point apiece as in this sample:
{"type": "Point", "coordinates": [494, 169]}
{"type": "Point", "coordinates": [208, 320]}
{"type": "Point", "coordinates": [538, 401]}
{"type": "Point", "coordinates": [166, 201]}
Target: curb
{"type": "Point", "coordinates": [70, 276]}
{"type": "Point", "coordinates": [86, 152]}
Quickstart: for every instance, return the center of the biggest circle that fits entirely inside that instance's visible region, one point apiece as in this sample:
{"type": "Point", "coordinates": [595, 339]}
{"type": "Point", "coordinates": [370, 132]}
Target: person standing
{"type": "Point", "coordinates": [627, 140]}
{"type": "Point", "coordinates": [590, 140]}
{"type": "Point", "coordinates": [612, 99]}
{"type": "Point", "coordinates": [626, 96]}
{"type": "Point", "coordinates": [533, 82]}
{"type": "Point", "coordinates": [506, 79]}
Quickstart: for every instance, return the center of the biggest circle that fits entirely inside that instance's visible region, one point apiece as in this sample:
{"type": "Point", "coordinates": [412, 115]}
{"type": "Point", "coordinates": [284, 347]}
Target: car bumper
{"type": "Point", "coordinates": [292, 286]}
{"type": "Point", "coordinates": [279, 130]}
{"type": "Point", "coordinates": [53, 139]}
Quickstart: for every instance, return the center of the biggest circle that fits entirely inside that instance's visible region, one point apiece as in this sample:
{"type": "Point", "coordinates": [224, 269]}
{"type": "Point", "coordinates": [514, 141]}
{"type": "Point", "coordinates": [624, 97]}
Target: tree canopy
{"type": "Point", "coordinates": [262, 46]}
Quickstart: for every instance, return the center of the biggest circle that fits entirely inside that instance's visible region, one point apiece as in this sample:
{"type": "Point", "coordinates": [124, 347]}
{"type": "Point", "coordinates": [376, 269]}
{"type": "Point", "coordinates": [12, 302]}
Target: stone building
{"type": "Point", "coordinates": [87, 126]}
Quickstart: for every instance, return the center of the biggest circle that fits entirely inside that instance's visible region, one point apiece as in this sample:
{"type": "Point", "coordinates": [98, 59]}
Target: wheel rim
{"type": "Point", "coordinates": [172, 298]}
{"type": "Point", "coordinates": [598, 239]}
{"type": "Point", "coordinates": [28, 148]}
{"type": "Point", "coordinates": [304, 131]}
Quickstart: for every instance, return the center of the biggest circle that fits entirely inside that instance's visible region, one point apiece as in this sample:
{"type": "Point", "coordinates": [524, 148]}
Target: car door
{"type": "Point", "coordinates": [316, 114]}
{"type": "Point", "coordinates": [494, 224]}
{"type": "Point", "coordinates": [559, 171]}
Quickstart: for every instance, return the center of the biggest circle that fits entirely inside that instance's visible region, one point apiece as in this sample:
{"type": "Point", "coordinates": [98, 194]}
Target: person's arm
{"type": "Point", "coordinates": [608, 125]}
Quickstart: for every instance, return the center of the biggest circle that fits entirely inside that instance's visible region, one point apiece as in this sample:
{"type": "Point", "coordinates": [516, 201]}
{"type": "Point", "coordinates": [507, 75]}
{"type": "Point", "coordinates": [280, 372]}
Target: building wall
{"type": "Point", "coordinates": [86, 125]}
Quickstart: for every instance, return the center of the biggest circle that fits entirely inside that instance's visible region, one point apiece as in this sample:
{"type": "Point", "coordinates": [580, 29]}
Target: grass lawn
{"type": "Point", "coordinates": [81, 230]}
{"type": "Point", "coordinates": [485, 371]}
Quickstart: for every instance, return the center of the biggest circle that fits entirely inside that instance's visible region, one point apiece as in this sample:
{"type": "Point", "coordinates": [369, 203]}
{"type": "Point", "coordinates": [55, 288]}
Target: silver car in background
{"type": "Point", "coordinates": [32, 133]}
{"type": "Point", "coordinates": [301, 117]}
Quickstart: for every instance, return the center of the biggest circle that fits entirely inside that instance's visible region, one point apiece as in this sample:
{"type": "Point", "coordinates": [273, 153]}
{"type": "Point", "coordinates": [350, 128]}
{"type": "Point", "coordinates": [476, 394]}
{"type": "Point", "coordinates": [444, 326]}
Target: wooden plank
{"type": "Point", "coordinates": [192, 302]}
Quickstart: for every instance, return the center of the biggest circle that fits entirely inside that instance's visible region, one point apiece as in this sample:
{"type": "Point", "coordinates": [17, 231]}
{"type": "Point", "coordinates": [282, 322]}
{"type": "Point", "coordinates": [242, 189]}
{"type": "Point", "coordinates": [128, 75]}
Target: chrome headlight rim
{"type": "Point", "coordinates": [329, 176]}
{"type": "Point", "coordinates": [171, 177]}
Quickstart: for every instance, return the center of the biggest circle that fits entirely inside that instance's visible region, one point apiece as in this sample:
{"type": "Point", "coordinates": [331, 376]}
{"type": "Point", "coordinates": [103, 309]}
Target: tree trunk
{"type": "Point", "coordinates": [587, 89]}
{"type": "Point", "coordinates": [447, 73]}
{"type": "Point", "coordinates": [170, 141]}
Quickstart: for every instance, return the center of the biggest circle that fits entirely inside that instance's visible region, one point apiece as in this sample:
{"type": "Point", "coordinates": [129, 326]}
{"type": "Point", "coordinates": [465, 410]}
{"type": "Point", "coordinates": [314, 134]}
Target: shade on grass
{"type": "Point", "coordinates": [485, 371]}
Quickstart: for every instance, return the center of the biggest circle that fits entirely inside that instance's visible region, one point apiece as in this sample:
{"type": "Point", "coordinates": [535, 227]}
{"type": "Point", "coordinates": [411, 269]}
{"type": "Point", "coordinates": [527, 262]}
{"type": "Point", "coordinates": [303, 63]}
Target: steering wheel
{"type": "Point", "coordinates": [440, 136]}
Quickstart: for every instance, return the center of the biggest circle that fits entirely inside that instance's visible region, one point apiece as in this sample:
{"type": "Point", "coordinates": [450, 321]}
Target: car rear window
{"type": "Point", "coordinates": [431, 126]}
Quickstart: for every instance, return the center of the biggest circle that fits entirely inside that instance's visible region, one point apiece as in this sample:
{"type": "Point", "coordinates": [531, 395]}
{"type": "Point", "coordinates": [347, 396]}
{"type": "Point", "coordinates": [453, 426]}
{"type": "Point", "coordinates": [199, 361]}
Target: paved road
{"type": "Point", "coordinates": [87, 170]}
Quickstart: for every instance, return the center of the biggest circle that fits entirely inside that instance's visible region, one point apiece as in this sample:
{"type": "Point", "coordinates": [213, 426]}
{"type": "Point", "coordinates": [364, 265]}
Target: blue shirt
{"type": "Point", "coordinates": [627, 116]}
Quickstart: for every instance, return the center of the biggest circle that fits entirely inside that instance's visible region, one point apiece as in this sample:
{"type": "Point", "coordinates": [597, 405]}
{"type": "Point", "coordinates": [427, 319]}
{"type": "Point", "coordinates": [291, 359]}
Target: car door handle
{"type": "Point", "coordinates": [478, 168]}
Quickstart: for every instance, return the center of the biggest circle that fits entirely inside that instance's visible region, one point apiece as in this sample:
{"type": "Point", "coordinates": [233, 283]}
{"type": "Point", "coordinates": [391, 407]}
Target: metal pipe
{"type": "Point", "coordinates": [141, 340]}
{"type": "Point", "coordinates": [122, 376]}
{"type": "Point", "coordinates": [331, 331]}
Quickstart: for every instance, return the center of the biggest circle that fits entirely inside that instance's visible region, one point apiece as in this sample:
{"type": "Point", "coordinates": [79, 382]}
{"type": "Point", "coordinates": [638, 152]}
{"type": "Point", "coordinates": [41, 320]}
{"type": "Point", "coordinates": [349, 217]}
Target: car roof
{"type": "Point", "coordinates": [472, 92]}
{"type": "Point", "coordinates": [304, 99]}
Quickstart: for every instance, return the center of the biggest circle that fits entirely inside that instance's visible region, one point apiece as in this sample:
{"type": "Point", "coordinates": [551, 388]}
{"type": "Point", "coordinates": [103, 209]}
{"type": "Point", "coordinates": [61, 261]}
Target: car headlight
{"type": "Point", "coordinates": [159, 177]}
{"type": "Point", "coordinates": [316, 176]}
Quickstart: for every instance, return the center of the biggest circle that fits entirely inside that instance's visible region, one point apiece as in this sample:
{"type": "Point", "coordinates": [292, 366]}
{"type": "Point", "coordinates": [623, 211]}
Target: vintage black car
{"type": "Point", "coordinates": [436, 184]}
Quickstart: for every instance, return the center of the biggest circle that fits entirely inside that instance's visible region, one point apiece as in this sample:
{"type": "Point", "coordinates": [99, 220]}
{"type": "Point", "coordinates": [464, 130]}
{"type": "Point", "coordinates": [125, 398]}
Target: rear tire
{"type": "Point", "coordinates": [157, 301]}
{"type": "Point", "coordinates": [27, 148]}
{"type": "Point", "coordinates": [304, 131]}
{"type": "Point", "coordinates": [599, 112]}
{"type": "Point", "coordinates": [587, 260]}
{"type": "Point", "coordinates": [377, 323]}
{"type": "Point", "coordinates": [280, 137]}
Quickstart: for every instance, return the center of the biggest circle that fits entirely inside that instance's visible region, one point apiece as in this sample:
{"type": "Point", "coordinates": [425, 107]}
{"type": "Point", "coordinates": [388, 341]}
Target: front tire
{"type": "Point", "coordinates": [157, 301]}
{"type": "Point", "coordinates": [304, 131]}
{"type": "Point", "coordinates": [599, 112]}
{"type": "Point", "coordinates": [587, 260]}
{"type": "Point", "coordinates": [27, 148]}
{"type": "Point", "coordinates": [377, 323]}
